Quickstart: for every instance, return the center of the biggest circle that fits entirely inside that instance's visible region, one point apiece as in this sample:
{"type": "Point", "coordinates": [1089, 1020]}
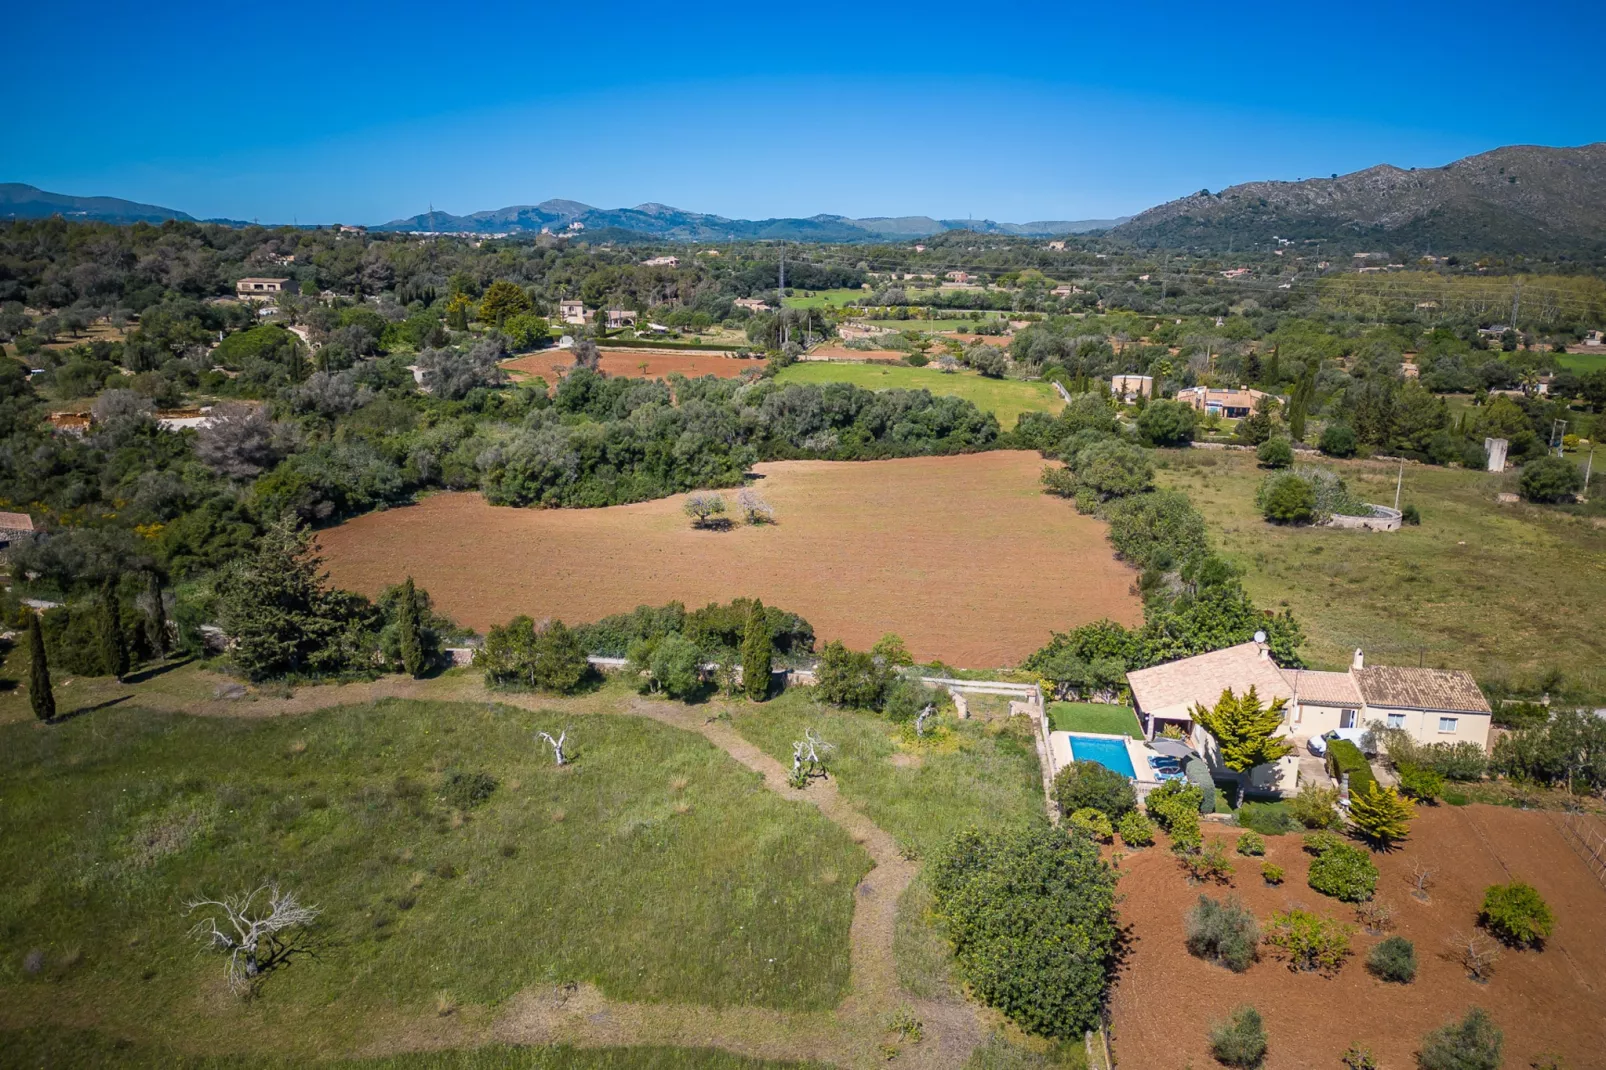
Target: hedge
{"type": "Point", "coordinates": [1198, 774]}
{"type": "Point", "coordinates": [1345, 757]}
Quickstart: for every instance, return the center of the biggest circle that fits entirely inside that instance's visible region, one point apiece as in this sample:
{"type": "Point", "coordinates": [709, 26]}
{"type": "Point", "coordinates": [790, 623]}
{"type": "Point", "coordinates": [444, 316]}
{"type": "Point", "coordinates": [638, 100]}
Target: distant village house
{"type": "Point", "coordinates": [572, 311]}
{"type": "Point", "coordinates": [662, 261]}
{"type": "Point", "coordinates": [1233, 403]}
{"type": "Point", "coordinates": [754, 305]}
{"type": "Point", "coordinates": [15, 528]}
{"type": "Point", "coordinates": [1131, 387]}
{"type": "Point", "coordinates": [261, 289]}
{"type": "Point", "coordinates": [621, 317]}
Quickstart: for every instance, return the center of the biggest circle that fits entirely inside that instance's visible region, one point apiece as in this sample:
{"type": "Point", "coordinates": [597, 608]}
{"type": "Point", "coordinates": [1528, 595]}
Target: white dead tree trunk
{"type": "Point", "coordinates": [807, 757]}
{"type": "Point", "coordinates": [257, 935]}
{"type": "Point", "coordinates": [922, 717]}
{"type": "Point", "coordinates": [556, 744]}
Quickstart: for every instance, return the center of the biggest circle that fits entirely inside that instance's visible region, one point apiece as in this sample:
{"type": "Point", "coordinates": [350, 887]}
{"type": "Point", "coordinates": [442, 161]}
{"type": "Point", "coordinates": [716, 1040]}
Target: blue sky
{"type": "Point", "coordinates": [366, 112]}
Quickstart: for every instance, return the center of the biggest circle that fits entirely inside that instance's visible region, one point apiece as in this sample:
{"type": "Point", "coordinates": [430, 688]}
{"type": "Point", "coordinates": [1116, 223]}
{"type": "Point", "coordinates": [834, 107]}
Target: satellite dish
{"type": "Point", "coordinates": [1260, 637]}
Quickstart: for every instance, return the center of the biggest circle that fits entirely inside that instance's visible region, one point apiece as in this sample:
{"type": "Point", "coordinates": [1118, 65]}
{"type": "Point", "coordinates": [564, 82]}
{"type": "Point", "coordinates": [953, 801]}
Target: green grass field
{"type": "Point", "coordinates": [928, 325]}
{"type": "Point", "coordinates": [1584, 361]}
{"type": "Point", "coordinates": [1004, 398]}
{"type": "Point", "coordinates": [1094, 717]}
{"type": "Point", "coordinates": [654, 866]}
{"type": "Point", "coordinates": [824, 298]}
{"type": "Point", "coordinates": [1505, 591]}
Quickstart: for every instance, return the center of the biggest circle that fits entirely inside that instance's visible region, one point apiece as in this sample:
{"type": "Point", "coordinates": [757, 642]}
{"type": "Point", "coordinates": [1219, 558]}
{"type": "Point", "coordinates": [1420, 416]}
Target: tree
{"type": "Point", "coordinates": [1338, 440]}
{"type": "Point", "coordinates": [501, 300]}
{"type": "Point", "coordinates": [1224, 932]}
{"type": "Point", "coordinates": [1299, 403]}
{"type": "Point", "coordinates": [1240, 1041]}
{"type": "Point", "coordinates": [155, 615]}
{"type": "Point", "coordinates": [451, 374]}
{"type": "Point", "coordinates": [557, 745]}
{"type": "Point", "coordinates": [1167, 423]}
{"type": "Point", "coordinates": [1381, 815]}
{"type": "Point", "coordinates": [1474, 1043]}
{"type": "Point", "coordinates": [1517, 914]}
{"type": "Point", "coordinates": [1275, 453]}
{"type": "Point", "coordinates": [703, 507]}
{"type": "Point", "coordinates": [757, 654]}
{"type": "Point", "coordinates": [675, 666]}
{"type": "Point", "coordinates": [990, 361]}
{"type": "Point", "coordinates": [1550, 479]}
{"type": "Point", "coordinates": [1030, 911]}
{"type": "Point", "coordinates": [410, 629]}
{"type": "Point", "coordinates": [237, 440]}
{"type": "Point", "coordinates": [109, 631]}
{"type": "Point", "coordinates": [755, 510]}
{"type": "Point", "coordinates": [1287, 499]}
{"type": "Point", "coordinates": [40, 694]}
{"type": "Point", "coordinates": [1089, 785]}
{"type": "Point", "coordinates": [258, 936]}
{"type": "Point", "coordinates": [558, 662]}
{"type": "Point", "coordinates": [1245, 730]}
{"type": "Point", "coordinates": [851, 678]}
{"type": "Point", "coordinates": [1393, 960]}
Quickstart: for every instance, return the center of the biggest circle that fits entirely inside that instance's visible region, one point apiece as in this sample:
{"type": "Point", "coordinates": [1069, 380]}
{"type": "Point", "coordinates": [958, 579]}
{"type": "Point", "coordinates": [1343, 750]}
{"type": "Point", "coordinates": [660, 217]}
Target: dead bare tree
{"type": "Point", "coordinates": [1421, 878]}
{"type": "Point", "coordinates": [264, 934]}
{"type": "Point", "coordinates": [557, 745]}
{"type": "Point", "coordinates": [922, 717]}
{"type": "Point", "coordinates": [1476, 953]}
{"type": "Point", "coordinates": [808, 758]}
{"type": "Point", "coordinates": [1377, 916]}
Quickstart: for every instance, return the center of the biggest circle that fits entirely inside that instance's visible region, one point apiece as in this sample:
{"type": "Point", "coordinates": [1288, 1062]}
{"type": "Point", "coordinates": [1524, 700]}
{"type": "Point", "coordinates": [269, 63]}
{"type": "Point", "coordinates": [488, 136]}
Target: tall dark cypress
{"type": "Point", "coordinates": [40, 694]}
{"type": "Point", "coordinates": [156, 619]}
{"type": "Point", "coordinates": [109, 629]}
{"type": "Point", "coordinates": [757, 655]}
{"type": "Point", "coordinates": [411, 629]}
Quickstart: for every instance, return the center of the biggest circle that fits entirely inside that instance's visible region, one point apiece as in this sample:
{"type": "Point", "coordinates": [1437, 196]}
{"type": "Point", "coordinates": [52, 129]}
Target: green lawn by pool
{"type": "Point", "coordinates": [1093, 717]}
{"type": "Point", "coordinates": [1004, 398]}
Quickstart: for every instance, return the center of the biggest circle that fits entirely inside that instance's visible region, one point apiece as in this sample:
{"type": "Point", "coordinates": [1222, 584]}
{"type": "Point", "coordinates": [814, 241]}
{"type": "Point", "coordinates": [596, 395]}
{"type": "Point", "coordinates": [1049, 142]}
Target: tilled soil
{"type": "Point", "coordinates": [964, 557]}
{"type": "Point", "coordinates": [550, 364]}
{"type": "Point", "coordinates": [1549, 1001]}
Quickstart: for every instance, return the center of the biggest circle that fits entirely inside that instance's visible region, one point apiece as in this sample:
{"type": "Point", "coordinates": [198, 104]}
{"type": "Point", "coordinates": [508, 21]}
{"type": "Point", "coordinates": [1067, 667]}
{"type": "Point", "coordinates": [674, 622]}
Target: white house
{"type": "Point", "coordinates": [572, 311]}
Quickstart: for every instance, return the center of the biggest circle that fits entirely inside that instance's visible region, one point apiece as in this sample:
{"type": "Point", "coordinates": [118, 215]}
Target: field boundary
{"type": "Point", "coordinates": [1587, 841]}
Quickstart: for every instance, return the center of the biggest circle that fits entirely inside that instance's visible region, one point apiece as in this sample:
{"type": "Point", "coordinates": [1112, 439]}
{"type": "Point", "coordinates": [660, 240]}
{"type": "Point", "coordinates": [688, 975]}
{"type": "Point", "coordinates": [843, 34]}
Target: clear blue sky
{"type": "Point", "coordinates": [364, 112]}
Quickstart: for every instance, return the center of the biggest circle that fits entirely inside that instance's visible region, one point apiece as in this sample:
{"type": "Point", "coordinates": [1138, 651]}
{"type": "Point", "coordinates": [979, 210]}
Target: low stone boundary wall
{"type": "Point", "coordinates": [1382, 519]}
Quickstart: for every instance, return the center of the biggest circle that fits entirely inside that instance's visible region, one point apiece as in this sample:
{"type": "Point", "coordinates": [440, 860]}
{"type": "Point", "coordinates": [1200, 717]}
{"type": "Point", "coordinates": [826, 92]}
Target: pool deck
{"type": "Point", "coordinates": [1060, 755]}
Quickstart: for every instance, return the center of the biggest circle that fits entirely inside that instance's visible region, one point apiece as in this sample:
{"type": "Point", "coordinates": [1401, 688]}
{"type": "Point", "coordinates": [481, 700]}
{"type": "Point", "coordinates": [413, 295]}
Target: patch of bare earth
{"type": "Point", "coordinates": [964, 557]}
{"type": "Point", "coordinates": [551, 364]}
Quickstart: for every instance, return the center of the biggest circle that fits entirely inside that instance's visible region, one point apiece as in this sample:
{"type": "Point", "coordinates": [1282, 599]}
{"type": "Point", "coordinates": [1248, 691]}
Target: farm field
{"type": "Point", "coordinates": [932, 548]}
{"type": "Point", "coordinates": [1583, 360]}
{"type": "Point", "coordinates": [1004, 398]}
{"type": "Point", "coordinates": [955, 324]}
{"type": "Point", "coordinates": [1097, 717]}
{"type": "Point", "coordinates": [842, 352]}
{"type": "Point", "coordinates": [550, 364]}
{"type": "Point", "coordinates": [1166, 1000]}
{"type": "Point", "coordinates": [654, 870]}
{"type": "Point", "coordinates": [824, 298]}
{"type": "Point", "coordinates": [1506, 591]}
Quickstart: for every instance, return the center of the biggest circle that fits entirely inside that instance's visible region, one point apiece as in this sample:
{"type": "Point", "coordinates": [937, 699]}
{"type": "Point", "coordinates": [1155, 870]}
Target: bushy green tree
{"type": "Point", "coordinates": [1031, 915]}
{"type": "Point", "coordinates": [41, 696]}
{"type": "Point", "coordinates": [503, 299]}
{"type": "Point", "coordinates": [675, 667]}
{"type": "Point", "coordinates": [1245, 729]}
{"type": "Point", "coordinates": [1550, 479]}
{"type": "Point", "coordinates": [1517, 914]}
{"type": "Point", "coordinates": [1473, 1043]}
{"type": "Point", "coordinates": [757, 655]}
{"type": "Point", "coordinates": [518, 653]}
{"type": "Point", "coordinates": [1338, 440]}
{"type": "Point", "coordinates": [1135, 830]}
{"type": "Point", "coordinates": [1344, 872]}
{"type": "Point", "coordinates": [1089, 785]}
{"type": "Point", "coordinates": [1393, 960]}
{"type": "Point", "coordinates": [1275, 453]}
{"type": "Point", "coordinates": [850, 678]}
{"type": "Point", "coordinates": [1381, 815]}
{"type": "Point", "coordinates": [1167, 423]}
{"type": "Point", "coordinates": [1285, 498]}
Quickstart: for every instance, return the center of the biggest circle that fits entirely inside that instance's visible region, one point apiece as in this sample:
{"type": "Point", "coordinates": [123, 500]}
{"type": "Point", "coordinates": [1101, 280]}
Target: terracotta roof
{"type": "Point", "coordinates": [1330, 688]}
{"type": "Point", "coordinates": [1170, 690]}
{"type": "Point", "coordinates": [1421, 689]}
{"type": "Point", "coordinates": [16, 522]}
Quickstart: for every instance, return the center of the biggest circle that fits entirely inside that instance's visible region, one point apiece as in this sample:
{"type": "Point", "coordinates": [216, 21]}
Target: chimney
{"type": "Point", "coordinates": [1360, 660]}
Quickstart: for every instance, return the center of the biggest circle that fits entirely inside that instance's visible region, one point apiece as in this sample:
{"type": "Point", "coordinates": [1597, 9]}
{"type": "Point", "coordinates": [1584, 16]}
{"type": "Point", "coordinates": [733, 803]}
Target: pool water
{"type": "Point", "coordinates": [1110, 753]}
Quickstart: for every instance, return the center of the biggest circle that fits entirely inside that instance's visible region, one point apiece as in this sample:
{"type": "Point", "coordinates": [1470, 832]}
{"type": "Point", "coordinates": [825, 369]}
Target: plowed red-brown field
{"type": "Point", "coordinates": [964, 557]}
{"type": "Point", "coordinates": [1546, 1001]}
{"type": "Point", "coordinates": [550, 364]}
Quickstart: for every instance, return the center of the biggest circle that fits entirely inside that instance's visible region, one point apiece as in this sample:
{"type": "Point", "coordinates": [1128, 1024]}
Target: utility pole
{"type": "Point", "coordinates": [1516, 299]}
{"type": "Point", "coordinates": [780, 300]}
{"type": "Point", "coordinates": [1398, 483]}
{"type": "Point", "coordinates": [1589, 466]}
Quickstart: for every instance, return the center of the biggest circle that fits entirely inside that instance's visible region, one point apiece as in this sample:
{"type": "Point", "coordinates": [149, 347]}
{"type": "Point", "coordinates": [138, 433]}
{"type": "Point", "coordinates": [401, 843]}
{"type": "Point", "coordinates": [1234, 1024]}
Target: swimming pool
{"type": "Point", "coordinates": [1110, 753]}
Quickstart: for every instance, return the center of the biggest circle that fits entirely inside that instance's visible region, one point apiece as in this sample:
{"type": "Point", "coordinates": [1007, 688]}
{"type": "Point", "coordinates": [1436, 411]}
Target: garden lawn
{"type": "Point", "coordinates": [1508, 592]}
{"type": "Point", "coordinates": [1094, 717]}
{"type": "Point", "coordinates": [654, 866]}
{"type": "Point", "coordinates": [1004, 398]}
{"type": "Point", "coordinates": [973, 772]}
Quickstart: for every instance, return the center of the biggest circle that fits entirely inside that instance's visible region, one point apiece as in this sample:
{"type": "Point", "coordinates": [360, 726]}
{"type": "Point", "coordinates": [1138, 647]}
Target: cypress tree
{"type": "Point", "coordinates": [757, 651]}
{"type": "Point", "coordinates": [109, 628]}
{"type": "Point", "coordinates": [156, 620]}
{"type": "Point", "coordinates": [411, 629]}
{"type": "Point", "coordinates": [40, 694]}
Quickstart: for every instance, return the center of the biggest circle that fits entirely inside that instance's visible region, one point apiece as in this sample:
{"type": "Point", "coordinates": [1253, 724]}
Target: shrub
{"type": "Point", "coordinates": [1473, 1043]}
{"type": "Point", "coordinates": [1275, 453]}
{"type": "Point", "coordinates": [1321, 841]}
{"type": "Point", "coordinates": [1167, 423]}
{"type": "Point", "coordinates": [1239, 1041]}
{"type": "Point", "coordinates": [1410, 515]}
{"type": "Point", "coordinates": [1423, 785]}
{"type": "Point", "coordinates": [1223, 932]}
{"type": "Point", "coordinates": [1345, 873]}
{"type": "Point", "coordinates": [1176, 809]}
{"type": "Point", "coordinates": [1204, 862]}
{"type": "Point", "coordinates": [1309, 941]}
{"type": "Point", "coordinates": [1356, 1057]}
{"type": "Point", "coordinates": [1516, 914]}
{"type": "Point", "coordinates": [1285, 498]}
{"type": "Point", "coordinates": [1089, 785]}
{"type": "Point", "coordinates": [1550, 479]}
{"type": "Point", "coordinates": [1268, 819]}
{"type": "Point", "coordinates": [467, 790]}
{"type": "Point", "coordinates": [1338, 440]}
{"type": "Point", "coordinates": [1345, 757]}
{"type": "Point", "coordinates": [1393, 960]}
{"type": "Point", "coordinates": [1250, 843]}
{"type": "Point", "coordinates": [1094, 823]}
{"type": "Point", "coordinates": [1135, 829]}
{"type": "Point", "coordinates": [1380, 815]}
{"type": "Point", "coordinates": [1315, 807]}
{"type": "Point", "coordinates": [1271, 872]}
{"type": "Point", "coordinates": [1031, 915]}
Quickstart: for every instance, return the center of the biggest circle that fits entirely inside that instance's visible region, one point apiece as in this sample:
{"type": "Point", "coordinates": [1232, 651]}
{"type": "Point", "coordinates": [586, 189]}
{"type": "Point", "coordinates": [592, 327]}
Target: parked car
{"type": "Point", "coordinates": [1357, 736]}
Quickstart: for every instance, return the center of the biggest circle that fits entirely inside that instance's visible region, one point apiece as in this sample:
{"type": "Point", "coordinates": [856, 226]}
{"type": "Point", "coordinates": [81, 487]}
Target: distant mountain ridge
{"type": "Point", "coordinates": [666, 223]}
{"type": "Point", "coordinates": [20, 201]}
{"type": "Point", "coordinates": [1521, 198]}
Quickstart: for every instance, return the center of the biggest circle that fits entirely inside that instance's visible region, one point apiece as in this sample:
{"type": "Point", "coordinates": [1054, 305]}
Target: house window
{"type": "Point", "coordinates": [1346, 719]}
{"type": "Point", "coordinates": [1396, 720]}
{"type": "Point", "coordinates": [1447, 724]}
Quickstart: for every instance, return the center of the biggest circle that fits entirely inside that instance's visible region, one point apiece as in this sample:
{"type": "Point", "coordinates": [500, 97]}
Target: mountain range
{"type": "Point", "coordinates": [1517, 199]}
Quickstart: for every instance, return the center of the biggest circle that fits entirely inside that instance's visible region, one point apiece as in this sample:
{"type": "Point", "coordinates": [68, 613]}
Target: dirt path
{"type": "Point", "coordinates": [852, 1035]}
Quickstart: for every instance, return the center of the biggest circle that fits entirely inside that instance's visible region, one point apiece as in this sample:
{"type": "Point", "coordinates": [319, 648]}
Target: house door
{"type": "Point", "coordinates": [1346, 719]}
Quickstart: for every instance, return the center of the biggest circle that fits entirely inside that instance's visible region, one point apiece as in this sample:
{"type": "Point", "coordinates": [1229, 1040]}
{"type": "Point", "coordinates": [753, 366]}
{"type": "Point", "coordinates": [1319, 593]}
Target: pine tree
{"type": "Point", "coordinates": [1381, 815]}
{"type": "Point", "coordinates": [40, 695]}
{"type": "Point", "coordinates": [1245, 729]}
{"type": "Point", "coordinates": [757, 655]}
{"type": "Point", "coordinates": [109, 632]}
{"type": "Point", "coordinates": [156, 618]}
{"type": "Point", "coordinates": [411, 631]}
{"type": "Point", "coordinates": [1299, 404]}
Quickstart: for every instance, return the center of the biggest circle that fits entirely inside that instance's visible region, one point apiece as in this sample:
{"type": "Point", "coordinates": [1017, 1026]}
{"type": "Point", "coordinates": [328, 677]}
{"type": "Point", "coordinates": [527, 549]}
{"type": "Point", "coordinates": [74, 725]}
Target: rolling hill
{"type": "Point", "coordinates": [19, 201]}
{"type": "Point", "coordinates": [1522, 198]}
